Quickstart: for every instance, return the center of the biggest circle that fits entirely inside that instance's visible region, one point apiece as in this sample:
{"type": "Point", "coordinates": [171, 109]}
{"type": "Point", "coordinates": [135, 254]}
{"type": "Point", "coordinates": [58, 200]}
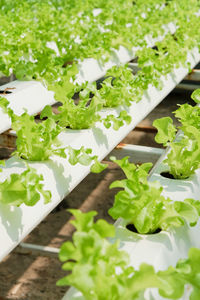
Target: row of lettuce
{"type": "Point", "coordinates": [38, 39]}
{"type": "Point", "coordinates": [130, 21]}
{"type": "Point", "coordinates": [39, 142]}
{"type": "Point", "coordinates": [99, 270]}
{"type": "Point", "coordinates": [120, 87]}
{"type": "Point", "coordinates": [52, 38]}
{"type": "Point", "coordinates": [93, 257]}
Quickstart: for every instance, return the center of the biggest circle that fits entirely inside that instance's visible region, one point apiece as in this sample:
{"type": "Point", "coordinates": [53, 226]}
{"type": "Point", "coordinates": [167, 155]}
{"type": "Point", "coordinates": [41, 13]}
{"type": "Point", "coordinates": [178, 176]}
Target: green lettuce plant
{"type": "Point", "coordinates": [118, 121]}
{"type": "Point", "coordinates": [81, 115]}
{"type": "Point", "coordinates": [25, 188]}
{"type": "Point", "coordinates": [184, 155]}
{"type": "Point", "coordinates": [185, 274]}
{"type": "Point", "coordinates": [48, 40]}
{"type": "Point", "coordinates": [92, 262]}
{"type": "Point", "coordinates": [141, 203]}
{"type": "Point", "coordinates": [38, 141]}
{"type": "Point", "coordinates": [118, 87]}
{"type": "Point", "coordinates": [84, 112]}
{"type": "Point", "coordinates": [189, 115]}
{"type": "Point", "coordinates": [196, 96]}
{"type": "Point", "coordinates": [51, 46]}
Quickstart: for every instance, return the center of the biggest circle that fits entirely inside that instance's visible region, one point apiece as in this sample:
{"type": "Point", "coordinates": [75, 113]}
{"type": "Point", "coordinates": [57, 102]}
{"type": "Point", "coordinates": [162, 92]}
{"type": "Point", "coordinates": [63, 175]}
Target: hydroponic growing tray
{"type": "Point", "coordinates": [165, 248]}
{"type": "Point", "coordinates": [60, 177]}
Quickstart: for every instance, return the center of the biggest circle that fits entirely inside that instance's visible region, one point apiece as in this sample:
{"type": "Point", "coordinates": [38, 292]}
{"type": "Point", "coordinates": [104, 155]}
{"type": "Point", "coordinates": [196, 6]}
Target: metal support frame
{"type": "Point", "coordinates": [188, 86]}
{"type": "Point", "coordinates": [138, 154]}
{"type": "Point", "coordinates": [38, 250]}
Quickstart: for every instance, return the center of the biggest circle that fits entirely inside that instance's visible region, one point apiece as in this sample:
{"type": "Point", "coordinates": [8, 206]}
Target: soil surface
{"type": "Point", "coordinates": [31, 277]}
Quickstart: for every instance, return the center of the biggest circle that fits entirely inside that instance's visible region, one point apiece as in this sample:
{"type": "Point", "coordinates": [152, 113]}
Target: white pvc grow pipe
{"type": "Point", "coordinates": [163, 249]}
{"type": "Point", "coordinates": [60, 177]}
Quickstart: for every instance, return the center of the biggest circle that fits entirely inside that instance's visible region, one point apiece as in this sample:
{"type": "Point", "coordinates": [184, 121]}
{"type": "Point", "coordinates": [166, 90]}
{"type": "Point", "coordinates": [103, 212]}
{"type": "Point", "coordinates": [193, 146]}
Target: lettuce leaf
{"type": "Point", "coordinates": [93, 261]}
{"type": "Point", "coordinates": [141, 202]}
{"type": "Point", "coordinates": [188, 115]}
{"type": "Point", "coordinates": [184, 155]}
{"type": "Point", "coordinates": [26, 188]}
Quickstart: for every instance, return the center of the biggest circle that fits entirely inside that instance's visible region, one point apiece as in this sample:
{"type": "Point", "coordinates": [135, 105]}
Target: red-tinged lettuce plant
{"type": "Point", "coordinates": [25, 188]}
{"type": "Point", "coordinates": [142, 205]}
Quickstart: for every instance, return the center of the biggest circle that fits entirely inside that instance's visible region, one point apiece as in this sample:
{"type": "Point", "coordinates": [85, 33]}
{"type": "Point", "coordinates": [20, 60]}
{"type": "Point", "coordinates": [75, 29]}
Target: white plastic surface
{"type": "Point", "coordinates": [29, 95]}
{"type": "Point", "coordinates": [60, 177]}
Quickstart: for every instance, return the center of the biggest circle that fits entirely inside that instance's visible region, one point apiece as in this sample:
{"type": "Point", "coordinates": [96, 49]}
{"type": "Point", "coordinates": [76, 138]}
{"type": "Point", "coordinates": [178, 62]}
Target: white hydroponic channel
{"type": "Point", "coordinates": [165, 248]}
{"type": "Point", "coordinates": [60, 177]}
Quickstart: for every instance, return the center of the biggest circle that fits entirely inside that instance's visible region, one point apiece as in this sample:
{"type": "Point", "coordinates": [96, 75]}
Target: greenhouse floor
{"type": "Point", "coordinates": [30, 277]}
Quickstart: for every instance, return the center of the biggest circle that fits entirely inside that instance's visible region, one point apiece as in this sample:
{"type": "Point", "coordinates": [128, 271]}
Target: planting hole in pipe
{"type": "Point", "coordinates": [170, 176]}
{"type": "Point", "coordinates": [6, 91]}
{"type": "Point", "coordinates": [132, 228]}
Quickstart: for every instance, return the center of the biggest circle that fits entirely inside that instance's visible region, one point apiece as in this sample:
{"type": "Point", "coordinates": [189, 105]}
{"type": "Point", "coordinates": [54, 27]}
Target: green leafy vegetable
{"type": "Point", "coordinates": [47, 40]}
{"type": "Point", "coordinates": [36, 141]}
{"type": "Point", "coordinates": [94, 261]}
{"type": "Point", "coordinates": [118, 87]}
{"type": "Point", "coordinates": [141, 202]}
{"type": "Point", "coordinates": [184, 156]}
{"type": "Point", "coordinates": [196, 96]}
{"type": "Point", "coordinates": [26, 188]}
{"type": "Point", "coordinates": [117, 121]}
{"type": "Point", "coordinates": [82, 115]}
{"type": "Point", "coordinates": [97, 167]}
{"type": "Point", "coordinates": [2, 163]}
{"type": "Point", "coordinates": [188, 115]}
{"type": "Point", "coordinates": [166, 130]}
